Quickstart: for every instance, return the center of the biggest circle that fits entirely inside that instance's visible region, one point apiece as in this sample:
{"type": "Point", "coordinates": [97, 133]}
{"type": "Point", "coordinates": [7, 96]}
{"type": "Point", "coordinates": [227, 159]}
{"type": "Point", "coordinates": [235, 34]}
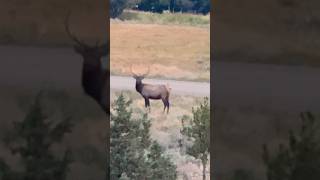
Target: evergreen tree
{"type": "Point", "coordinates": [133, 155]}
{"type": "Point", "coordinates": [161, 166]}
{"type": "Point", "coordinates": [198, 130]}
{"type": "Point", "coordinates": [117, 7]}
{"type": "Point", "coordinates": [201, 6]}
{"type": "Point", "coordinates": [151, 5]}
{"type": "Point", "coordinates": [132, 3]}
{"type": "Point", "coordinates": [127, 155]}
{"type": "Point", "coordinates": [301, 158]}
{"type": "Point", "coordinates": [184, 5]}
{"type": "Point", "coordinates": [32, 139]}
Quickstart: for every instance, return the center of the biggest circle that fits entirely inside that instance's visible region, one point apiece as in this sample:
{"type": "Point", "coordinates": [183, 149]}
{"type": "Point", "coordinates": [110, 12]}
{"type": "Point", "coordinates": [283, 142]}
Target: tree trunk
{"type": "Point", "coordinates": [203, 170]}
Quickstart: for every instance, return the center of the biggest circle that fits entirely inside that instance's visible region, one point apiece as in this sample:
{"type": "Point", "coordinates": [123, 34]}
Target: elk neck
{"type": "Point", "coordinates": [139, 85]}
{"type": "Point", "coordinates": [93, 79]}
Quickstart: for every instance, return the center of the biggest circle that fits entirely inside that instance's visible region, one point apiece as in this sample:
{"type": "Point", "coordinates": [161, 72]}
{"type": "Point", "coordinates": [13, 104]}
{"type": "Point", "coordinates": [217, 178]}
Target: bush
{"type": "Point", "coordinates": [133, 155]}
{"type": "Point", "coordinates": [32, 139]}
{"type": "Point", "coordinates": [300, 159]}
{"type": "Point", "coordinates": [116, 7]}
{"type": "Point", "coordinates": [198, 130]}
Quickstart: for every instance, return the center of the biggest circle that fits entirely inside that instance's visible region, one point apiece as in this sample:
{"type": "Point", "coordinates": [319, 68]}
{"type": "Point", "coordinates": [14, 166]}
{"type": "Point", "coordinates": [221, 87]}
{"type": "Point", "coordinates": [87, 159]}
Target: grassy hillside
{"type": "Point", "coordinates": [179, 52]}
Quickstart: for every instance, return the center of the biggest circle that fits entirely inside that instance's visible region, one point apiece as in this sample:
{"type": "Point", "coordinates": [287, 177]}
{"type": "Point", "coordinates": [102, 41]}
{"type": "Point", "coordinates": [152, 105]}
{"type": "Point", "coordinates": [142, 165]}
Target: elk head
{"type": "Point", "coordinates": [95, 79]}
{"type": "Point", "coordinates": [91, 54]}
{"type": "Point", "coordinates": [138, 76]}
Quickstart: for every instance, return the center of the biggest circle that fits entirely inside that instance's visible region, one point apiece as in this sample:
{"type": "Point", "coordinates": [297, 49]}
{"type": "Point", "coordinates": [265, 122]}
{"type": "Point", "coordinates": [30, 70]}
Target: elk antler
{"type": "Point", "coordinates": [81, 43]}
{"type": "Point", "coordinates": [148, 71]}
{"type": "Point", "coordinates": [74, 38]}
{"type": "Point", "coordinates": [132, 72]}
{"type": "Point", "coordinates": [136, 74]}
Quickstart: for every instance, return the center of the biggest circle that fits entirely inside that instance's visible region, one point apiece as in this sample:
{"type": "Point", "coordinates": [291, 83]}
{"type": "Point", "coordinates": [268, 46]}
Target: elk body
{"type": "Point", "coordinates": [95, 79]}
{"type": "Point", "coordinates": [150, 91]}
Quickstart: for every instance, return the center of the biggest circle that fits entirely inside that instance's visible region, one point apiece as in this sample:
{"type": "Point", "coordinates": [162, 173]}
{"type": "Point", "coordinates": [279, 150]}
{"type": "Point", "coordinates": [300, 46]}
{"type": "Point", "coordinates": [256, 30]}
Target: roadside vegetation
{"type": "Point", "coordinates": [166, 129]}
{"type": "Point", "coordinates": [133, 154]}
{"type": "Point", "coordinates": [32, 139]}
{"type": "Point", "coordinates": [189, 19]}
{"type": "Point", "coordinates": [257, 143]}
{"type": "Point", "coordinates": [197, 130]}
{"type": "Point", "coordinates": [297, 158]}
{"type": "Point", "coordinates": [57, 134]}
{"type": "Point", "coordinates": [156, 6]}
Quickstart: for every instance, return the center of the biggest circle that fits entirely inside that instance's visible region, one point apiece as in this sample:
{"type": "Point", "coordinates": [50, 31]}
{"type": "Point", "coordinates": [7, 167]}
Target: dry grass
{"type": "Point", "coordinates": [179, 52]}
{"type": "Point", "coordinates": [166, 129]}
{"type": "Point", "coordinates": [165, 18]}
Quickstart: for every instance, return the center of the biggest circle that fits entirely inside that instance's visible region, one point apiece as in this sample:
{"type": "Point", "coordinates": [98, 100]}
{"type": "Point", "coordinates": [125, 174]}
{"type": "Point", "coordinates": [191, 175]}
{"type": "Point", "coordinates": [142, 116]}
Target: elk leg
{"type": "Point", "coordinates": [147, 104]}
{"type": "Point", "coordinates": [164, 105]}
{"type": "Point", "coordinates": [168, 105]}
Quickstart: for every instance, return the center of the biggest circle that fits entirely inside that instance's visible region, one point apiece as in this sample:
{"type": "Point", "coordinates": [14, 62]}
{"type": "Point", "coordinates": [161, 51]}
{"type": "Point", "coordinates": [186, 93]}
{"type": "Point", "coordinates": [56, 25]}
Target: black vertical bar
{"type": "Point", "coordinates": [108, 94]}
{"type": "Point", "coordinates": [211, 90]}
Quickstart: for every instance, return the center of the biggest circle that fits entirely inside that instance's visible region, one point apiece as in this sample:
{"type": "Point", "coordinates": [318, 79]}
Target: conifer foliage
{"type": "Point", "coordinates": [133, 155]}
{"type": "Point", "coordinates": [197, 129]}
{"type": "Point", "coordinates": [32, 139]}
{"type": "Point", "coordinates": [116, 7]}
{"type": "Point", "coordinates": [300, 159]}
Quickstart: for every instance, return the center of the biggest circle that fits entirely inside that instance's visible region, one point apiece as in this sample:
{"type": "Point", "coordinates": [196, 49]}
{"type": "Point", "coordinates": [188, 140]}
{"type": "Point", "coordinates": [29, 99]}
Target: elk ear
{"type": "Point", "coordinates": [104, 49]}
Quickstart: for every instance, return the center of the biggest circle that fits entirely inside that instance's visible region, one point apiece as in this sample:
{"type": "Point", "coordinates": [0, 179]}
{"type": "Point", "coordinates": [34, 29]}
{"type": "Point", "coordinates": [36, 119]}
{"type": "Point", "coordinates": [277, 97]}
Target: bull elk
{"type": "Point", "coordinates": [151, 91]}
{"type": "Point", "coordinates": [95, 78]}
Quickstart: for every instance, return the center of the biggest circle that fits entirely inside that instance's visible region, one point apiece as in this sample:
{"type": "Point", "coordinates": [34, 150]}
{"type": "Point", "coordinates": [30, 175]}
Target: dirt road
{"type": "Point", "coordinates": [234, 84]}
{"type": "Point", "coordinates": [289, 88]}
{"type": "Point", "coordinates": [178, 87]}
